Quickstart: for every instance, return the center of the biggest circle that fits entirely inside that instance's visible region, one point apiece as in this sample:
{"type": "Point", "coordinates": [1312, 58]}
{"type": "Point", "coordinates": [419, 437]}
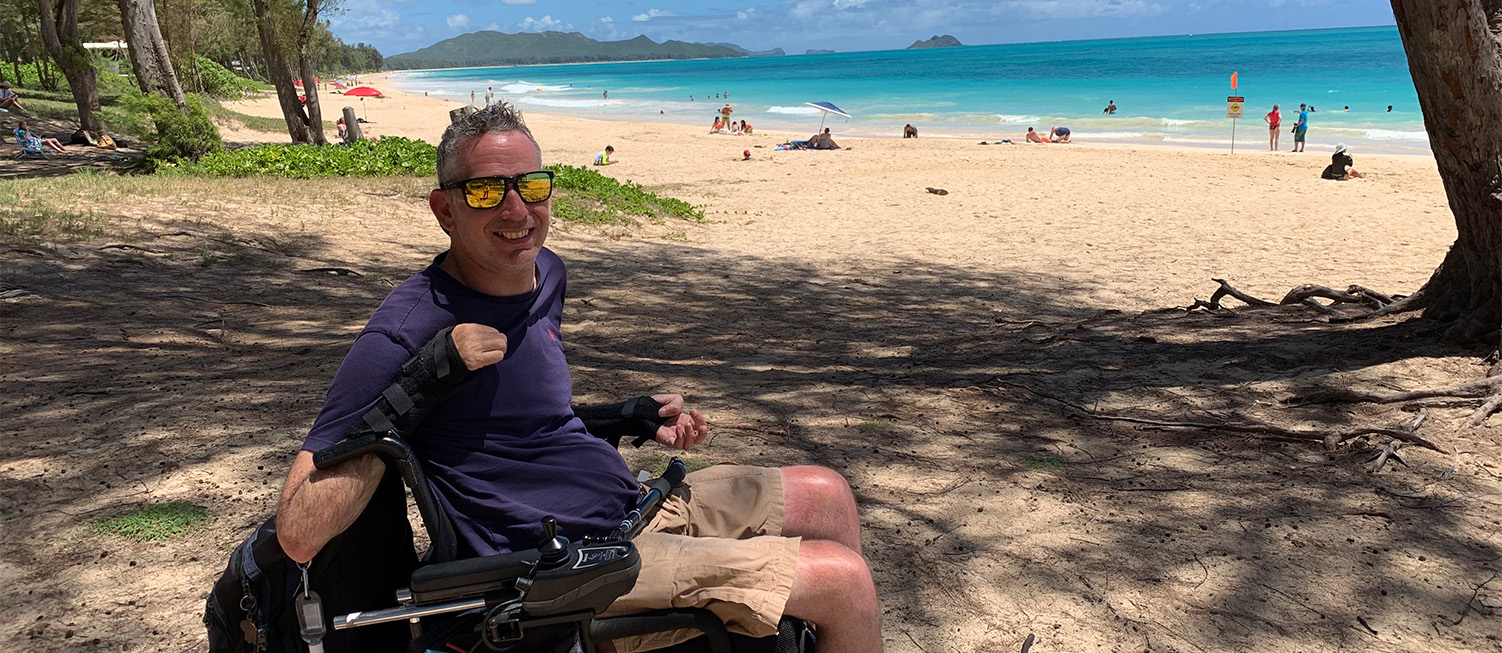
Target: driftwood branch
{"type": "Point", "coordinates": [1227, 289]}
{"type": "Point", "coordinates": [1307, 291]}
{"type": "Point", "coordinates": [343, 272]}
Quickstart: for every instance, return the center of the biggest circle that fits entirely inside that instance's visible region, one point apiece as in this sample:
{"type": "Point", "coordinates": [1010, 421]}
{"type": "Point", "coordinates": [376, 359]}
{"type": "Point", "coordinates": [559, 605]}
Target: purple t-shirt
{"type": "Point", "coordinates": [504, 449]}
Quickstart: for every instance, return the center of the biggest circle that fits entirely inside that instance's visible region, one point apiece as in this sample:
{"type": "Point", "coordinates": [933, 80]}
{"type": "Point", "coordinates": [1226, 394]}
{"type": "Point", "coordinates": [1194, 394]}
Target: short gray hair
{"type": "Point", "coordinates": [461, 136]}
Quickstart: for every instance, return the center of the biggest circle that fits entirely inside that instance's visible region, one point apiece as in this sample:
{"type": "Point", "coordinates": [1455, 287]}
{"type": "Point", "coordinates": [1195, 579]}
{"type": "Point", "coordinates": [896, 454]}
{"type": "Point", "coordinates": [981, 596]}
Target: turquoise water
{"type": "Point", "coordinates": [1167, 89]}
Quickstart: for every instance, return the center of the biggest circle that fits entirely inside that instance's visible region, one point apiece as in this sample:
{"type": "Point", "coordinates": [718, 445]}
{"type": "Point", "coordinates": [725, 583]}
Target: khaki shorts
{"type": "Point", "coordinates": [715, 544]}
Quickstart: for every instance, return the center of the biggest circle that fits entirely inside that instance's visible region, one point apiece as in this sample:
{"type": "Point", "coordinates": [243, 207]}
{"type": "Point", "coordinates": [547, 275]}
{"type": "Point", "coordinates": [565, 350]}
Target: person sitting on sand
{"type": "Point", "coordinates": [23, 133]}
{"type": "Point", "coordinates": [1033, 136]}
{"type": "Point", "coordinates": [823, 141]}
{"type": "Point", "coordinates": [909, 131]}
{"type": "Point", "coordinates": [343, 132]}
{"type": "Point", "coordinates": [602, 158]}
{"type": "Point", "coordinates": [718, 127]}
{"type": "Point", "coordinates": [1340, 166]}
{"type": "Point", "coordinates": [745, 128]}
{"type": "Point", "coordinates": [1059, 135]}
{"type": "Point", "coordinates": [735, 127]}
{"type": "Point", "coordinates": [8, 98]}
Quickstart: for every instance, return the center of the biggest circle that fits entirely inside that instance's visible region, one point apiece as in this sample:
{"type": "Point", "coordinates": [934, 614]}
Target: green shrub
{"type": "Point", "coordinates": [219, 82]}
{"type": "Point", "coordinates": [370, 158]}
{"type": "Point", "coordinates": [595, 198]}
{"type": "Point", "coordinates": [176, 136]}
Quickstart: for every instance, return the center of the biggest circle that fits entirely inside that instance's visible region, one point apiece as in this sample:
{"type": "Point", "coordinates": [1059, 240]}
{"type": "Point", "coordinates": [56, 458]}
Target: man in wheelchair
{"type": "Point", "coordinates": [503, 449]}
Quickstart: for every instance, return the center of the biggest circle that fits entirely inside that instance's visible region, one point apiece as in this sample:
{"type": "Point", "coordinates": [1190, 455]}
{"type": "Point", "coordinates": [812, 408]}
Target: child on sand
{"type": "Point", "coordinates": [602, 158]}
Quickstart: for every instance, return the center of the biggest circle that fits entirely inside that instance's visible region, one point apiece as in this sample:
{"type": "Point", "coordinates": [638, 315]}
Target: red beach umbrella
{"type": "Point", "coordinates": [363, 91]}
{"type": "Point", "coordinates": [336, 84]}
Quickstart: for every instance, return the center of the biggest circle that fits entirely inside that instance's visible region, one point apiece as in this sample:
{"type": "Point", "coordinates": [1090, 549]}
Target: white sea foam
{"type": "Point", "coordinates": [1175, 122]}
{"type": "Point", "coordinates": [517, 88]}
{"type": "Point", "coordinates": [566, 104]}
{"type": "Point", "coordinates": [1394, 135]}
{"type": "Point", "coordinates": [800, 111]}
{"type": "Point", "coordinates": [1016, 120]}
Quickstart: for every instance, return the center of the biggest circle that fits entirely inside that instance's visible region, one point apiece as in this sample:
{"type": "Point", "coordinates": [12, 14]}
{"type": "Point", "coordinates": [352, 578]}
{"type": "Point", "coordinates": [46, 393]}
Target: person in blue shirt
{"type": "Point", "coordinates": [1301, 130]}
{"type": "Point", "coordinates": [504, 448]}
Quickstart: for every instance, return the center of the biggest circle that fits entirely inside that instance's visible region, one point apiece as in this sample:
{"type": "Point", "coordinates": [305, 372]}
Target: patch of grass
{"type": "Point", "coordinates": [1043, 462]}
{"type": "Point", "coordinates": [27, 218]}
{"type": "Point", "coordinates": [873, 427]}
{"type": "Point", "coordinates": [162, 521]}
{"type": "Point", "coordinates": [222, 114]}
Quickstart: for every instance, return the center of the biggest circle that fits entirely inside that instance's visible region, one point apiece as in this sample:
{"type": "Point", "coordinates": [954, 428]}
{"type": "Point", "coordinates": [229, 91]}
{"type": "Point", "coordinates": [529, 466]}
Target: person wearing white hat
{"type": "Point", "coordinates": [1340, 166]}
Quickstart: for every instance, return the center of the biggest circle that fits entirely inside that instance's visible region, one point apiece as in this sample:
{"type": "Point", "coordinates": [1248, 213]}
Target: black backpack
{"type": "Point", "coordinates": [250, 607]}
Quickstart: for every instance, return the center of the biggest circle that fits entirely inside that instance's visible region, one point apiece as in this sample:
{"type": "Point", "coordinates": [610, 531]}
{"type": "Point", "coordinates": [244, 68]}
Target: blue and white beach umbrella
{"type": "Point", "coordinates": [827, 108]}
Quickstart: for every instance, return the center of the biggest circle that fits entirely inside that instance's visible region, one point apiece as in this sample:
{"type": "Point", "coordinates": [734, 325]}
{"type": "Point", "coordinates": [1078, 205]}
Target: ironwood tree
{"type": "Point", "coordinates": [309, 79]}
{"type": "Point", "coordinates": [1455, 55]}
{"type": "Point", "coordinates": [148, 52]}
{"type": "Point", "coordinates": [280, 73]}
{"type": "Point", "coordinates": [59, 26]}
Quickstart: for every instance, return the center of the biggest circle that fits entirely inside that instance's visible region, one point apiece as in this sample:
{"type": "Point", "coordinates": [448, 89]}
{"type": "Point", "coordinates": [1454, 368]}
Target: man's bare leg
{"type": "Point", "coordinates": [817, 505]}
{"type": "Point", "coordinates": [833, 589]}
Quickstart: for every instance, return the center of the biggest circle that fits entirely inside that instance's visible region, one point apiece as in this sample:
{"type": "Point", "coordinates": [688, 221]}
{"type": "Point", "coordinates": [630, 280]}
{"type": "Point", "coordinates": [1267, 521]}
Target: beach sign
{"type": "Point", "coordinates": [1235, 107]}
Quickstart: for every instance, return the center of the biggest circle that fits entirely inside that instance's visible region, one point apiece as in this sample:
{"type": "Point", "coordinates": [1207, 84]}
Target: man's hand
{"type": "Point", "coordinates": [480, 345]}
{"type": "Point", "coordinates": [682, 430]}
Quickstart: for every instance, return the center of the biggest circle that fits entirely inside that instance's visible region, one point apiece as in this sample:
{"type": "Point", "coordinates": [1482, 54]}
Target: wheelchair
{"type": "Point", "coordinates": [545, 599]}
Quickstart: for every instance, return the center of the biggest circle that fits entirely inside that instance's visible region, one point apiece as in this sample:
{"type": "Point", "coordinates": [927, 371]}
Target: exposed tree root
{"type": "Point", "coordinates": [1331, 438]}
{"type": "Point", "coordinates": [1478, 388]}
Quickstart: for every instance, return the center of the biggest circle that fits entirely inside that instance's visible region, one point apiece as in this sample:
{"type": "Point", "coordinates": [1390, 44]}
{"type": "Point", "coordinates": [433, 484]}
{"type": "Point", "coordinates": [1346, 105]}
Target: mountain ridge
{"type": "Point", "coordinates": [490, 48]}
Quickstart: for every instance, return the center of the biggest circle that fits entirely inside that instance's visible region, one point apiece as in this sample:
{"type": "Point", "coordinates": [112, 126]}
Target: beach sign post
{"type": "Point", "coordinates": [1235, 105]}
{"type": "Point", "coordinates": [1235, 110]}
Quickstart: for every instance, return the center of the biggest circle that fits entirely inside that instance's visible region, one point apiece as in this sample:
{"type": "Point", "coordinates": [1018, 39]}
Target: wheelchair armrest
{"type": "Point", "coordinates": [395, 451]}
{"type": "Point", "coordinates": [698, 619]}
{"type": "Point", "coordinates": [472, 577]}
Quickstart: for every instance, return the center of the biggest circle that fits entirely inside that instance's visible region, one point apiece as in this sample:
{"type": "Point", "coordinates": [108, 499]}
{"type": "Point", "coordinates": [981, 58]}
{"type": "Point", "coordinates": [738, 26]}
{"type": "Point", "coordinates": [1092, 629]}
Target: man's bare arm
{"type": "Point", "coordinates": [318, 504]}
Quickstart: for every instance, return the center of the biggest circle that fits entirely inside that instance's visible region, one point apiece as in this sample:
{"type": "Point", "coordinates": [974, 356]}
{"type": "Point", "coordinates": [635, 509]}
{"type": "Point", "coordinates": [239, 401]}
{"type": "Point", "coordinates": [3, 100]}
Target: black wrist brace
{"type": "Point", "coordinates": [424, 381]}
{"type": "Point", "coordinates": [636, 418]}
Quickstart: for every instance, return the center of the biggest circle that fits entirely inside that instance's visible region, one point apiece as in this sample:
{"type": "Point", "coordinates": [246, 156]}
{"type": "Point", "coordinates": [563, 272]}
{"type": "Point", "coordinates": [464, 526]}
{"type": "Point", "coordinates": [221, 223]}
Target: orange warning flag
{"type": "Point", "coordinates": [1233, 81]}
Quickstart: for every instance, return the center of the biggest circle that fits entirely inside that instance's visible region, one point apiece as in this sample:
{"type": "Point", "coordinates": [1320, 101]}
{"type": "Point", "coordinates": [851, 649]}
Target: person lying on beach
{"type": "Point", "coordinates": [1059, 135]}
{"type": "Point", "coordinates": [1034, 137]}
{"type": "Point", "coordinates": [909, 131]}
{"type": "Point", "coordinates": [8, 98]}
{"type": "Point", "coordinates": [602, 158]}
{"type": "Point", "coordinates": [23, 133]}
{"type": "Point", "coordinates": [1340, 166]}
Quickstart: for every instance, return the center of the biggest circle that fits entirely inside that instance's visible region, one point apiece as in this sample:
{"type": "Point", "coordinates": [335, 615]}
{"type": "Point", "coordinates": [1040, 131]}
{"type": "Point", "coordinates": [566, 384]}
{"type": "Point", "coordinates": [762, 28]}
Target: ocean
{"type": "Point", "coordinates": [1170, 89]}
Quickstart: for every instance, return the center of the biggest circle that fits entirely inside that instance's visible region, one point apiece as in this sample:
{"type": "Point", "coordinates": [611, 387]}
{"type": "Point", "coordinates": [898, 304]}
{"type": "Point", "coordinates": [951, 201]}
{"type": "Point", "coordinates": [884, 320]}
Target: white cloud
{"type": "Point", "coordinates": [1084, 8]}
{"type": "Point", "coordinates": [493, 26]}
{"type": "Point", "coordinates": [847, 4]}
{"type": "Point", "coordinates": [519, 2]}
{"type": "Point", "coordinates": [607, 20]}
{"type": "Point", "coordinates": [651, 13]}
{"type": "Point", "coordinates": [457, 21]}
{"type": "Point", "coordinates": [544, 24]}
{"type": "Point", "coordinates": [745, 15]}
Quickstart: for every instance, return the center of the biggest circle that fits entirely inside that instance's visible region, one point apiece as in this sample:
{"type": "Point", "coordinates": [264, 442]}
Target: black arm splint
{"type": "Point", "coordinates": [424, 381]}
{"type": "Point", "coordinates": [636, 418]}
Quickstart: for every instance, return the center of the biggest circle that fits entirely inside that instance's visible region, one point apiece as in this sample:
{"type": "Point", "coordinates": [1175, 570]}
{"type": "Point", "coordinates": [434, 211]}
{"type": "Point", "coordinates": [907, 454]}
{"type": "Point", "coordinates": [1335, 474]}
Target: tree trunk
{"type": "Point", "coordinates": [309, 82]}
{"type": "Point", "coordinates": [60, 35]}
{"type": "Point", "coordinates": [1455, 55]}
{"type": "Point", "coordinates": [148, 52]}
{"type": "Point", "coordinates": [280, 73]}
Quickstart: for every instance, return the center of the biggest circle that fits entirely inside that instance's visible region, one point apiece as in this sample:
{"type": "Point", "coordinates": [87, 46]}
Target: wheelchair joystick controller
{"type": "Point", "coordinates": [554, 549]}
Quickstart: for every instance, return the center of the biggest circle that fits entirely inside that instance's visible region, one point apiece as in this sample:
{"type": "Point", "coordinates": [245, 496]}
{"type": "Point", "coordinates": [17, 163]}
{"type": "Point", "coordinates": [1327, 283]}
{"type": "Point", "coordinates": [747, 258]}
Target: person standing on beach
{"type": "Point", "coordinates": [471, 97]}
{"type": "Point", "coordinates": [726, 111]}
{"type": "Point", "coordinates": [489, 96]}
{"type": "Point", "coordinates": [1274, 120]}
{"type": "Point", "coordinates": [1301, 130]}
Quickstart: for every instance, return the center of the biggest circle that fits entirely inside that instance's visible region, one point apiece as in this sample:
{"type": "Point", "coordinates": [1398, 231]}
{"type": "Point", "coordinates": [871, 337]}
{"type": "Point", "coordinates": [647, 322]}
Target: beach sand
{"type": "Point", "coordinates": [966, 360]}
{"type": "Point", "coordinates": [1130, 225]}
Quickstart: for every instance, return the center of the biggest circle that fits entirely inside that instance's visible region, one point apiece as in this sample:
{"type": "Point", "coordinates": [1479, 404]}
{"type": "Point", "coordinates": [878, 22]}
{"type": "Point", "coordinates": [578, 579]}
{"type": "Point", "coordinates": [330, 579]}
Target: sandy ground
{"type": "Point", "coordinates": [958, 357]}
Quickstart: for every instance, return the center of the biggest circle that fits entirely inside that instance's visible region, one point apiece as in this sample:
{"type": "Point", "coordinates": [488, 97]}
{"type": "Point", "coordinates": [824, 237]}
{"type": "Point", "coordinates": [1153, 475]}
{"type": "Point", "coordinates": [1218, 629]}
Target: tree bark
{"type": "Point", "coordinates": [309, 81]}
{"type": "Point", "coordinates": [279, 72]}
{"type": "Point", "coordinates": [148, 51]}
{"type": "Point", "coordinates": [60, 35]}
{"type": "Point", "coordinates": [1455, 55]}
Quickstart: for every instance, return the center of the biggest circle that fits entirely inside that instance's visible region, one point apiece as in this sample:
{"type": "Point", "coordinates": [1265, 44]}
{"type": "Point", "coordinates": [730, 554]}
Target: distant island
{"type": "Point", "coordinates": [945, 41]}
{"type": "Point", "coordinates": [488, 48]}
{"type": "Point", "coordinates": [819, 52]}
{"type": "Point", "coordinates": [774, 52]}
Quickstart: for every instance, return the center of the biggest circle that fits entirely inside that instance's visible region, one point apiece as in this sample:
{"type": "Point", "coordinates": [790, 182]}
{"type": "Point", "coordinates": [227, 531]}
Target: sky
{"type": "Point", "coordinates": [398, 26]}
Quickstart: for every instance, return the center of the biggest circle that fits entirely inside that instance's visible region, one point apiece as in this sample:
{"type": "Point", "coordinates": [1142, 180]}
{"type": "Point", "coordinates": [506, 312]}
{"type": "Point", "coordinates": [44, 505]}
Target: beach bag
{"type": "Point", "coordinates": [106, 142]}
{"type": "Point", "coordinates": [251, 605]}
{"type": "Point", "coordinates": [79, 137]}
